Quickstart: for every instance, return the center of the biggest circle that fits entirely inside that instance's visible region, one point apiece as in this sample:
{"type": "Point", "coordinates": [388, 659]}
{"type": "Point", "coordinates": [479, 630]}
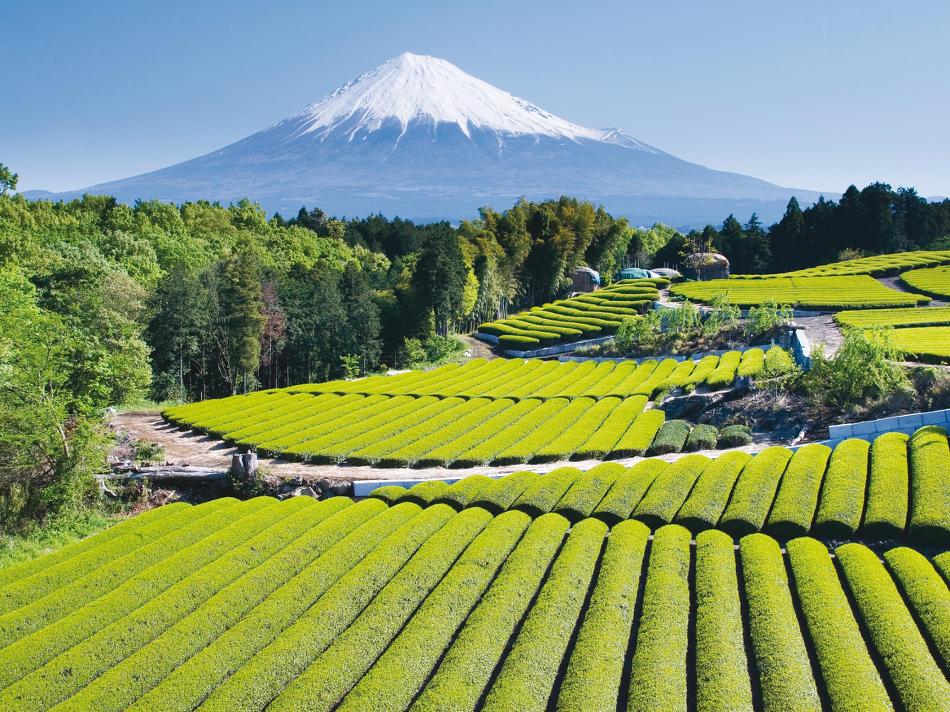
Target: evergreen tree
{"type": "Point", "coordinates": [439, 276]}
{"type": "Point", "coordinates": [362, 336]}
{"type": "Point", "coordinates": [240, 317]}
{"type": "Point", "coordinates": [787, 238]}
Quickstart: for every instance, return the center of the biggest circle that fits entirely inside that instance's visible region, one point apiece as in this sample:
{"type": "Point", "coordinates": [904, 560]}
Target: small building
{"type": "Point", "coordinates": [634, 273]}
{"type": "Point", "coordinates": [707, 265]}
{"type": "Point", "coordinates": [585, 279]}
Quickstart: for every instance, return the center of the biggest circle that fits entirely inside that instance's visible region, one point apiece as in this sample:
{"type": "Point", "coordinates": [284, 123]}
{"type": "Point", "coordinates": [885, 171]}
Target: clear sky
{"type": "Point", "coordinates": [807, 94]}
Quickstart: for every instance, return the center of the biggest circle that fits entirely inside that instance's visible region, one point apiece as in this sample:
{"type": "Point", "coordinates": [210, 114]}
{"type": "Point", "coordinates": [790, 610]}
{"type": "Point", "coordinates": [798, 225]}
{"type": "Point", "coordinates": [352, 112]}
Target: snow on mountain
{"type": "Point", "coordinates": [420, 138]}
{"type": "Point", "coordinates": [415, 87]}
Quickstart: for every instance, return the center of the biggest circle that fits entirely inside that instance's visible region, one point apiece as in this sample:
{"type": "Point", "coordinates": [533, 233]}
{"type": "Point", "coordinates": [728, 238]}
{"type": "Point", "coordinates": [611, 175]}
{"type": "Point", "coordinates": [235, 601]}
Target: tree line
{"type": "Point", "coordinates": [873, 220]}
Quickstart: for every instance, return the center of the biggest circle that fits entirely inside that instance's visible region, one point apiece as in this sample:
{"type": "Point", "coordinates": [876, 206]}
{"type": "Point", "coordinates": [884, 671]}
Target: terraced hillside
{"type": "Point", "coordinates": [823, 293]}
{"type": "Point", "coordinates": [333, 605]}
{"type": "Point", "coordinates": [500, 411]}
{"type": "Point", "coordinates": [934, 281]}
{"type": "Point", "coordinates": [875, 265]}
{"type": "Point", "coordinates": [894, 486]}
{"type": "Point", "coordinates": [585, 316]}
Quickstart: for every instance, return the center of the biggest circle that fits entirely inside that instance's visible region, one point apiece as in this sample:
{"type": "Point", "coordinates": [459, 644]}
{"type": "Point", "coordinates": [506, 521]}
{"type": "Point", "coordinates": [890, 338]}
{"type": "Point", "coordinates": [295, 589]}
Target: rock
{"type": "Point", "coordinates": [305, 492]}
{"type": "Point", "coordinates": [335, 488]}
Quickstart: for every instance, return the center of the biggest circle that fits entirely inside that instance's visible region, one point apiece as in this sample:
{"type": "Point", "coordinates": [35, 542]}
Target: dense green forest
{"type": "Point", "coordinates": [873, 220]}
{"type": "Point", "coordinates": [103, 303]}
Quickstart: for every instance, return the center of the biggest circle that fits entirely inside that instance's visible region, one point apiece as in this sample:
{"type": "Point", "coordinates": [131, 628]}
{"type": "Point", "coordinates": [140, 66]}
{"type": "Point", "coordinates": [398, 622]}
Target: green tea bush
{"type": "Point", "coordinates": [734, 436]}
{"type": "Point", "coordinates": [701, 437]}
{"type": "Point", "coordinates": [670, 438]}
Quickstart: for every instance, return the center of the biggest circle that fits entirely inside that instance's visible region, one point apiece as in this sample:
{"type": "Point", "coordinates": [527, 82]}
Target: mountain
{"type": "Point", "coordinates": [420, 138]}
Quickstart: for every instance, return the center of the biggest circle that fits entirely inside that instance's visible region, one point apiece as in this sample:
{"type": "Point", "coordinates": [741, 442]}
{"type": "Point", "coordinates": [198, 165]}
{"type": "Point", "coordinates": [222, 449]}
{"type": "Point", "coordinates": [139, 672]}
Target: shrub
{"type": "Point", "coordinates": [734, 436]}
{"type": "Point", "coordinates": [669, 490]}
{"type": "Point", "coordinates": [418, 557]}
{"type": "Point", "coordinates": [593, 676]}
{"type": "Point", "coordinates": [502, 493]}
{"type": "Point", "coordinates": [752, 363]}
{"type": "Point", "coordinates": [927, 594]}
{"type": "Point", "coordinates": [842, 494]}
{"type": "Point", "coordinates": [794, 507]}
{"type": "Point", "coordinates": [701, 437]}
{"type": "Point", "coordinates": [462, 493]}
{"type": "Point", "coordinates": [579, 432]}
{"type": "Point", "coordinates": [919, 682]}
{"type": "Point", "coordinates": [121, 685]}
{"type": "Point", "coordinates": [546, 491]}
{"type": "Point", "coordinates": [264, 535]}
{"type": "Point", "coordinates": [587, 491]}
{"type": "Point", "coordinates": [627, 491]}
{"type": "Point", "coordinates": [929, 485]}
{"type": "Point", "coordinates": [725, 372]}
{"type": "Point", "coordinates": [425, 493]}
{"type": "Point", "coordinates": [617, 423]}
{"type": "Point", "coordinates": [397, 660]}
{"type": "Point", "coordinates": [463, 674]}
{"type": "Point", "coordinates": [537, 652]}
{"type": "Point", "coordinates": [89, 554]}
{"type": "Point", "coordinates": [389, 494]}
{"type": "Point", "coordinates": [754, 492]}
{"type": "Point", "coordinates": [670, 438]}
{"type": "Point", "coordinates": [522, 343]}
{"type": "Point", "coordinates": [851, 679]}
{"type": "Point", "coordinates": [781, 658]}
{"type": "Point", "coordinates": [709, 495]}
{"type": "Point", "coordinates": [722, 672]}
{"type": "Point", "coordinates": [886, 512]}
{"type": "Point", "coordinates": [862, 370]}
{"type": "Point", "coordinates": [38, 611]}
{"type": "Point", "coordinates": [193, 677]}
{"type": "Point", "coordinates": [659, 670]}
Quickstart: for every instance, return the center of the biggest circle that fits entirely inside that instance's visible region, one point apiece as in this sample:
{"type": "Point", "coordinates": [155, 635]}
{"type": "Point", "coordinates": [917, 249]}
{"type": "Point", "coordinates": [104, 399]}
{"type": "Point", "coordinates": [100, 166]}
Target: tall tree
{"type": "Point", "coordinates": [439, 277]}
{"type": "Point", "coordinates": [240, 317]}
{"type": "Point", "coordinates": [362, 318]}
{"type": "Point", "coordinates": [8, 179]}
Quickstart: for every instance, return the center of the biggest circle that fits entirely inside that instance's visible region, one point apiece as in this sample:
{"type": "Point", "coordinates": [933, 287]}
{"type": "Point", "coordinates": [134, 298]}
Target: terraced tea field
{"type": "Point", "coordinates": [334, 605]}
{"type": "Point", "coordinates": [875, 265]}
{"type": "Point", "coordinates": [500, 411]}
{"type": "Point", "coordinates": [934, 281]}
{"type": "Point", "coordinates": [821, 293]}
{"type": "Point", "coordinates": [586, 316]}
{"type": "Point", "coordinates": [897, 485]}
{"type": "Point", "coordinates": [898, 318]}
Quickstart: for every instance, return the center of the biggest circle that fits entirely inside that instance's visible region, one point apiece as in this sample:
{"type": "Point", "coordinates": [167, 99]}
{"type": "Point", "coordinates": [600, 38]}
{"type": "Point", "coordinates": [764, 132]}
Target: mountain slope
{"type": "Point", "coordinates": [420, 138]}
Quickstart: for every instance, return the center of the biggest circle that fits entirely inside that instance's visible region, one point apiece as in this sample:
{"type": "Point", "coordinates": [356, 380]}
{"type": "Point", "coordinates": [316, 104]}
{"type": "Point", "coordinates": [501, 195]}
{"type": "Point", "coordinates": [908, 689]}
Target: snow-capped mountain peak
{"type": "Point", "coordinates": [412, 87]}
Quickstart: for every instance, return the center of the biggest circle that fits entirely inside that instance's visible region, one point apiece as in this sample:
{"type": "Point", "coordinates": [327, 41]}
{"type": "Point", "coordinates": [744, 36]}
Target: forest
{"type": "Point", "coordinates": [104, 304]}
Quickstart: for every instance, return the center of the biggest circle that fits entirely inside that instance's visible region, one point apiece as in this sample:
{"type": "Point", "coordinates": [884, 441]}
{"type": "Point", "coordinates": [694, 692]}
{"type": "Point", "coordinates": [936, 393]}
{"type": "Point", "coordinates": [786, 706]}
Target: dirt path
{"type": "Point", "coordinates": [822, 331]}
{"type": "Point", "coordinates": [188, 448]}
{"type": "Point", "coordinates": [477, 348]}
{"type": "Point", "coordinates": [895, 283]}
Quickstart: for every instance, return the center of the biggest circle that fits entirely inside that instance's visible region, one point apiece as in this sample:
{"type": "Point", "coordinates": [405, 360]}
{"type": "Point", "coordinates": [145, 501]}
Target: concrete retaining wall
{"type": "Point", "coordinates": [869, 429]}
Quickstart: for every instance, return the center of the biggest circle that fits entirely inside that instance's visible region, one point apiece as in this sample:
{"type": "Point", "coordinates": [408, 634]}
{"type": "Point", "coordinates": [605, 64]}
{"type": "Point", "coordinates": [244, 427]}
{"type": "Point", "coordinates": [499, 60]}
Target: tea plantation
{"type": "Point", "coordinates": [819, 293]}
{"type": "Point", "coordinates": [531, 592]}
{"type": "Point", "coordinates": [500, 411]}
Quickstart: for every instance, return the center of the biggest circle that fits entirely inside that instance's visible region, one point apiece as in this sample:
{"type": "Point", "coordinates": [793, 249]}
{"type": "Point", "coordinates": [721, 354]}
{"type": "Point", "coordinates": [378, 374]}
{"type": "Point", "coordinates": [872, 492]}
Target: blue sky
{"type": "Point", "coordinates": [805, 94]}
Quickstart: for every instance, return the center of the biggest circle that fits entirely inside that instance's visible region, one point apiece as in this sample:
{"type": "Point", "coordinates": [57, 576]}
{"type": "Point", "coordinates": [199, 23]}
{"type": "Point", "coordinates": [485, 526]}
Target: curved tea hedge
{"type": "Point", "coordinates": [827, 293]}
{"type": "Point", "coordinates": [356, 606]}
{"type": "Point", "coordinates": [912, 316]}
{"type": "Point", "coordinates": [586, 316]}
{"type": "Point", "coordinates": [897, 486]}
{"type": "Point", "coordinates": [500, 412]}
{"type": "Point", "coordinates": [875, 265]}
{"type": "Point", "coordinates": [934, 281]}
